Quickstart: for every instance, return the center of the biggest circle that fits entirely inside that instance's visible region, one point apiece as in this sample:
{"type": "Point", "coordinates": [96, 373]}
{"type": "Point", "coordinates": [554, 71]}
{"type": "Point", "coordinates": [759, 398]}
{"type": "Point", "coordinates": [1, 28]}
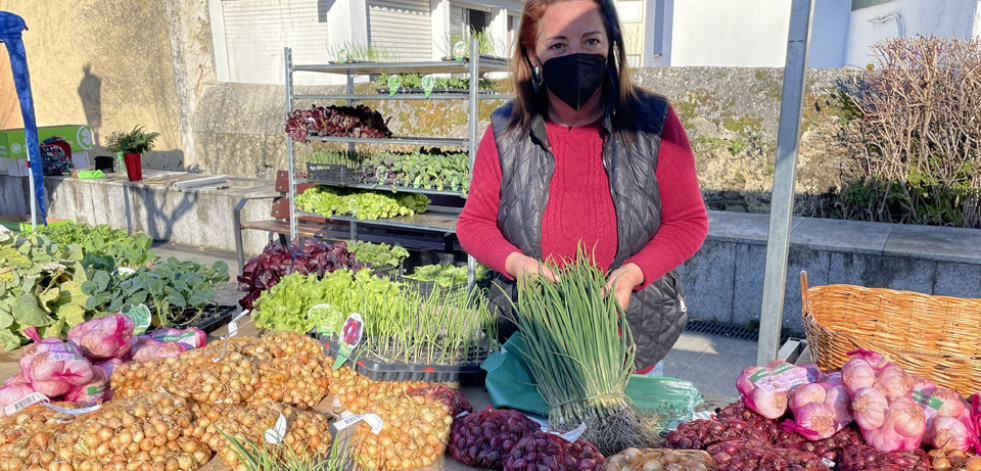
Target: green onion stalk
{"type": "Point", "coordinates": [580, 351]}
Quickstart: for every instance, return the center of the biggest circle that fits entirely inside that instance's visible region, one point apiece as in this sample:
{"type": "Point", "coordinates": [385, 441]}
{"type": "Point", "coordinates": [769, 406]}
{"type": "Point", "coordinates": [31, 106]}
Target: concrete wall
{"type": "Point", "coordinates": [105, 63]}
{"type": "Point", "coordinates": [907, 18]}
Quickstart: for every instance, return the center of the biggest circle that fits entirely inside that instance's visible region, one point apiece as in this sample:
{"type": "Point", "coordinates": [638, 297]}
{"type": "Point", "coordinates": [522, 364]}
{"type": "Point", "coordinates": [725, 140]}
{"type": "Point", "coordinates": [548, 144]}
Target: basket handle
{"type": "Point", "coordinates": [803, 289]}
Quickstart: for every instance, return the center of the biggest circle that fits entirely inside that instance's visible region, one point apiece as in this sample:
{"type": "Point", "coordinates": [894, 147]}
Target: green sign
{"type": "Point", "coordinates": [459, 50]}
{"type": "Point", "coordinates": [342, 55]}
{"type": "Point", "coordinates": [13, 142]}
{"type": "Point", "coordinates": [394, 83]}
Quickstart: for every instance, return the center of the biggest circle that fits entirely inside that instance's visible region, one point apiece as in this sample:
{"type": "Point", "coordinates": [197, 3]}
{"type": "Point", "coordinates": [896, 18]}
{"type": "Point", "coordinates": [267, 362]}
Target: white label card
{"type": "Point", "coordinates": [233, 324]}
{"type": "Point", "coordinates": [373, 420]}
{"type": "Point", "coordinates": [26, 401]}
{"type": "Point", "coordinates": [278, 432]}
{"type": "Point", "coordinates": [572, 435]}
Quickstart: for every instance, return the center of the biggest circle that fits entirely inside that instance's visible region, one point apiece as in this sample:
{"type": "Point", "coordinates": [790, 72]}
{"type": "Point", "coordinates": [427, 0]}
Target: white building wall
{"type": "Point", "coordinates": [907, 18]}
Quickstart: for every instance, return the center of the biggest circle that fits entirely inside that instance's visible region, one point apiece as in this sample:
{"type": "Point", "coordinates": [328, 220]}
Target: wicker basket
{"type": "Point", "coordinates": [934, 336]}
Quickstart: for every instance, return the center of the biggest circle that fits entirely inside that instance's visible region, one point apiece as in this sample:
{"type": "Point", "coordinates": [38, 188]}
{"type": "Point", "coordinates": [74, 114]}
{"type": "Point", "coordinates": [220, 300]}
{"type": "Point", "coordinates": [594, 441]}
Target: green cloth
{"type": "Point", "coordinates": [91, 174]}
{"type": "Point", "coordinates": [510, 384]}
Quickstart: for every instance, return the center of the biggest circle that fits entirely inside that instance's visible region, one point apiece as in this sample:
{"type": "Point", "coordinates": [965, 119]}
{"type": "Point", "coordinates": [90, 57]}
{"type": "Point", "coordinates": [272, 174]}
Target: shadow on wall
{"type": "Point", "coordinates": [90, 91]}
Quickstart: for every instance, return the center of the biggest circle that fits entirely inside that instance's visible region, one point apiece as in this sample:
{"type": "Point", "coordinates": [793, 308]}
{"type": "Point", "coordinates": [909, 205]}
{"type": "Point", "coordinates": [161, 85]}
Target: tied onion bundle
{"type": "Point", "coordinates": [580, 351]}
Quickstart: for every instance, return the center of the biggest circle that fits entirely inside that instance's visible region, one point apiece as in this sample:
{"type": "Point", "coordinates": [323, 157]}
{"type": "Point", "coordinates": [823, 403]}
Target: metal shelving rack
{"type": "Point", "coordinates": [435, 222]}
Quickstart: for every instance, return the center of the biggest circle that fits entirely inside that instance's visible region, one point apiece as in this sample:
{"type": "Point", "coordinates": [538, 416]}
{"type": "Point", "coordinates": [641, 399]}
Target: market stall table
{"type": "Point", "coordinates": [476, 394]}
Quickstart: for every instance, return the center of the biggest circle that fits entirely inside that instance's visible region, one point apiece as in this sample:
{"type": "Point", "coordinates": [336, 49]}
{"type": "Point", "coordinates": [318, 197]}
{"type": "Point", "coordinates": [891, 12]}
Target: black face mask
{"type": "Point", "coordinates": [574, 78]}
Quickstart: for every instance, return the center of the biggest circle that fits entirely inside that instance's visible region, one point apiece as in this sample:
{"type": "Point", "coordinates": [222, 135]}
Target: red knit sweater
{"type": "Point", "coordinates": [580, 207]}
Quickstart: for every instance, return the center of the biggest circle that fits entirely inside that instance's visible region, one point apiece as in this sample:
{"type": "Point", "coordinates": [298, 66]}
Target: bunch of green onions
{"type": "Point", "coordinates": [580, 351]}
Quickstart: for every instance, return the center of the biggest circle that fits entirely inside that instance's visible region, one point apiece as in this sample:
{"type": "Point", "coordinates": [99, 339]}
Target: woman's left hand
{"type": "Point", "coordinates": [622, 281]}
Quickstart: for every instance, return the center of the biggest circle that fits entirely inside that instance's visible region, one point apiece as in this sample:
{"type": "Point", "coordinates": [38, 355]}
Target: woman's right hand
{"type": "Point", "coordinates": [519, 265]}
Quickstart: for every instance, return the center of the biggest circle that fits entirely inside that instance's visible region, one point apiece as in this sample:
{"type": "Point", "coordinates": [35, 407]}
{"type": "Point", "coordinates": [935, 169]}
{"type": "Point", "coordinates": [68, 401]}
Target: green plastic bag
{"type": "Point", "coordinates": [509, 384]}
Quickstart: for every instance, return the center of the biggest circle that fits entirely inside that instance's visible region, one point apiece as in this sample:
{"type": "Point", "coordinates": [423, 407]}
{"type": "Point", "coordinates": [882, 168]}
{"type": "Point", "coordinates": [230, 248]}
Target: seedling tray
{"type": "Point", "coordinates": [332, 174]}
{"type": "Point", "coordinates": [425, 288]}
{"type": "Point", "coordinates": [377, 370]}
{"type": "Point", "coordinates": [211, 319]}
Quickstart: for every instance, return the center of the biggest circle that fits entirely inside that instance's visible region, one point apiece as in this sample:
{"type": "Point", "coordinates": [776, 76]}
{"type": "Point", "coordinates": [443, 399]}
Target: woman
{"type": "Point", "coordinates": [581, 155]}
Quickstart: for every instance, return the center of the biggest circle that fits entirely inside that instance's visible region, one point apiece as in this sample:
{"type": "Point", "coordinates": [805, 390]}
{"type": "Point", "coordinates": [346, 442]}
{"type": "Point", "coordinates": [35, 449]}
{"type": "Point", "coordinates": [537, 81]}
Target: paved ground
{"type": "Point", "coordinates": [711, 362]}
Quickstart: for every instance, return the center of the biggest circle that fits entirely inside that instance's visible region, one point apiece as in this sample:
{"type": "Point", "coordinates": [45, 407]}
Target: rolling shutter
{"type": "Point", "coordinates": [403, 27]}
{"type": "Point", "coordinates": [257, 30]}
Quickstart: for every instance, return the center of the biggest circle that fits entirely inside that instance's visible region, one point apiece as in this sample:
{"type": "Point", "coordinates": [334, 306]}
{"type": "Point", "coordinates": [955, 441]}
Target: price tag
{"type": "Point", "coordinates": [233, 324]}
{"type": "Point", "coordinates": [124, 272]}
{"type": "Point", "coordinates": [373, 420]}
{"type": "Point", "coordinates": [140, 314]}
{"type": "Point", "coordinates": [574, 434]}
{"type": "Point", "coordinates": [428, 84]}
{"type": "Point", "coordinates": [350, 337]}
{"type": "Point", "coordinates": [64, 356]}
{"type": "Point", "coordinates": [24, 402]}
{"type": "Point", "coordinates": [462, 414]}
{"type": "Point", "coordinates": [828, 463]}
{"type": "Point", "coordinates": [74, 412]}
{"type": "Point", "coordinates": [459, 50]}
{"type": "Point", "coordinates": [277, 433]}
{"type": "Point", "coordinates": [394, 83]}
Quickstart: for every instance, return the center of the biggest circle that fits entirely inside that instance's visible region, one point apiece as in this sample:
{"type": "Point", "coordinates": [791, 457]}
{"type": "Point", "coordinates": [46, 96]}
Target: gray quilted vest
{"type": "Point", "coordinates": [656, 314]}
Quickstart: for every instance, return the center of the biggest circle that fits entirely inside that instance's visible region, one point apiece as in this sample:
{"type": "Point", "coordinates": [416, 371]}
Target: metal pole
{"type": "Point", "coordinates": [781, 209]}
{"type": "Point", "coordinates": [472, 145]}
{"type": "Point", "coordinates": [290, 146]}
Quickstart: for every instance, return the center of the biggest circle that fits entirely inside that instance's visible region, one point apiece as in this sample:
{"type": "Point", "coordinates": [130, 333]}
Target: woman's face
{"type": "Point", "coordinates": [569, 27]}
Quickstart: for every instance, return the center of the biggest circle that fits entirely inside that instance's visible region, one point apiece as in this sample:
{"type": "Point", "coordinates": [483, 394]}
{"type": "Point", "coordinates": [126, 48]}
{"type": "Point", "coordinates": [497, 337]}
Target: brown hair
{"type": "Point", "coordinates": [527, 102]}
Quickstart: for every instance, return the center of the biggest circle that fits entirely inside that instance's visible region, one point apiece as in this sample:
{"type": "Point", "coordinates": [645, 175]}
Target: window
{"type": "Point", "coordinates": [250, 36]}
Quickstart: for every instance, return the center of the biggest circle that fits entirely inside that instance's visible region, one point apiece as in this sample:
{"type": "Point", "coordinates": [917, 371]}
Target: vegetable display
{"type": "Point", "coordinates": [40, 286]}
{"type": "Point", "coordinates": [765, 389]}
{"type": "Point", "coordinates": [430, 168]}
{"type": "Point", "coordinates": [571, 324]}
{"type": "Point", "coordinates": [337, 121]}
{"type": "Point", "coordinates": [484, 439]}
{"type": "Point", "coordinates": [378, 255]}
{"type": "Point", "coordinates": [881, 402]}
{"type": "Point", "coordinates": [304, 257]}
{"type": "Point", "coordinates": [744, 455]}
{"type": "Point", "coordinates": [660, 459]}
{"type": "Point", "coordinates": [366, 205]}
{"type": "Point", "coordinates": [820, 409]}
{"type": "Point", "coordinates": [414, 81]}
{"type": "Point", "coordinates": [543, 451]}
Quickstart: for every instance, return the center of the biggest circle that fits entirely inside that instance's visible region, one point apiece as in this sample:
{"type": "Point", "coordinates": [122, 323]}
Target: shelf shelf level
{"type": "Point", "coordinates": [435, 221]}
{"type": "Point", "coordinates": [403, 96]}
{"type": "Point", "coordinates": [376, 68]}
{"type": "Point", "coordinates": [409, 141]}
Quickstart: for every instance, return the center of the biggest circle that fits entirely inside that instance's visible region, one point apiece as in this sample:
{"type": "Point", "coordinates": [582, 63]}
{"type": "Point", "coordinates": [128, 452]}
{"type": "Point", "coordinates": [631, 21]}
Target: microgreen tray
{"type": "Point", "coordinates": [377, 370]}
{"type": "Point", "coordinates": [211, 319]}
{"type": "Point", "coordinates": [332, 173]}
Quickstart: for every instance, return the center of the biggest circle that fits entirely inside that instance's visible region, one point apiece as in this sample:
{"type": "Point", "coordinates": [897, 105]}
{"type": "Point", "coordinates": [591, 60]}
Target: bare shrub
{"type": "Point", "coordinates": [921, 129]}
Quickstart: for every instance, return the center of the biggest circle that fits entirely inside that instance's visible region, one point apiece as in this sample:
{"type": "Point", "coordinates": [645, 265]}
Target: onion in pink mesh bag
{"type": "Point", "coordinates": [103, 337]}
{"type": "Point", "coordinates": [192, 337]}
{"type": "Point", "coordinates": [146, 349]}
{"type": "Point", "coordinates": [93, 392]}
{"type": "Point", "coordinates": [52, 367]}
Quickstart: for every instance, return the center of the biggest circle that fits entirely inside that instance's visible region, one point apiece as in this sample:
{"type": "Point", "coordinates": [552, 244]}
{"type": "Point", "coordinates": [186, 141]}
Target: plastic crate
{"type": "Point", "coordinates": [332, 174]}
{"type": "Point", "coordinates": [377, 370]}
{"type": "Point", "coordinates": [210, 320]}
{"type": "Point", "coordinates": [425, 288]}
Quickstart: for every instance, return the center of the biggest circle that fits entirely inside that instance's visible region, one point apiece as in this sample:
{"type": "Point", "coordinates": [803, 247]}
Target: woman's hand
{"type": "Point", "coordinates": [519, 265]}
{"type": "Point", "coordinates": [622, 281]}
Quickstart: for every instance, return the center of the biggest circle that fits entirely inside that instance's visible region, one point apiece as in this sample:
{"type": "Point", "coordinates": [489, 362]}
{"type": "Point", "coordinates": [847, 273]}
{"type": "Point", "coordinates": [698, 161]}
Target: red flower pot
{"type": "Point", "coordinates": [134, 167]}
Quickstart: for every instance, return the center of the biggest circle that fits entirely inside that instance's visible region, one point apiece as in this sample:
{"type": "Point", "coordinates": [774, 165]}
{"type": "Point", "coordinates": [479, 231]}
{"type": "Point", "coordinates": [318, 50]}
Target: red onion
{"type": "Point", "coordinates": [484, 439]}
{"type": "Point", "coordinates": [752, 455]}
{"type": "Point", "coordinates": [543, 451]}
{"type": "Point", "coordinates": [698, 434]}
{"type": "Point", "coordinates": [864, 457]}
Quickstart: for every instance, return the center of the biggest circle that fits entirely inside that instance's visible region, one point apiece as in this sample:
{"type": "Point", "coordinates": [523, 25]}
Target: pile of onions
{"type": "Point", "coordinates": [34, 448]}
{"type": "Point", "coordinates": [753, 455]}
{"type": "Point", "coordinates": [881, 404]}
{"type": "Point", "coordinates": [827, 448]}
{"type": "Point", "coordinates": [284, 366]}
{"type": "Point", "coordinates": [414, 434]}
{"type": "Point", "coordinates": [145, 428]}
{"type": "Point", "coordinates": [306, 435]}
{"type": "Point", "coordinates": [769, 429]}
{"type": "Point", "coordinates": [949, 425]}
{"type": "Point", "coordinates": [699, 434]}
{"type": "Point", "coordinates": [658, 459]}
{"type": "Point", "coordinates": [543, 451]}
{"type": "Point", "coordinates": [483, 439]}
{"type": "Point", "coordinates": [764, 388]}
{"type": "Point", "coordinates": [103, 337]}
{"type": "Point", "coordinates": [31, 419]}
{"type": "Point", "coordinates": [452, 398]}
{"type": "Point", "coordinates": [954, 460]}
{"type": "Point", "coordinates": [867, 458]}
{"type": "Point", "coordinates": [820, 409]}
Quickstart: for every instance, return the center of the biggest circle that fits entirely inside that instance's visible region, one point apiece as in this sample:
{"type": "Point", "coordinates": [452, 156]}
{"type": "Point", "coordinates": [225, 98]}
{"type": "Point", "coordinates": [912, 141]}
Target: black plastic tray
{"type": "Point", "coordinates": [425, 288]}
{"type": "Point", "coordinates": [213, 318]}
{"type": "Point", "coordinates": [332, 173]}
{"type": "Point", "coordinates": [378, 371]}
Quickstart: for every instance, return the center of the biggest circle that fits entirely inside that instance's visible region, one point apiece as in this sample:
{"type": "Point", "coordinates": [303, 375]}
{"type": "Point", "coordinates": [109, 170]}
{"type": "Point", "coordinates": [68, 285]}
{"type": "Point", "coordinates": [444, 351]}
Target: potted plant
{"type": "Point", "coordinates": [132, 145]}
